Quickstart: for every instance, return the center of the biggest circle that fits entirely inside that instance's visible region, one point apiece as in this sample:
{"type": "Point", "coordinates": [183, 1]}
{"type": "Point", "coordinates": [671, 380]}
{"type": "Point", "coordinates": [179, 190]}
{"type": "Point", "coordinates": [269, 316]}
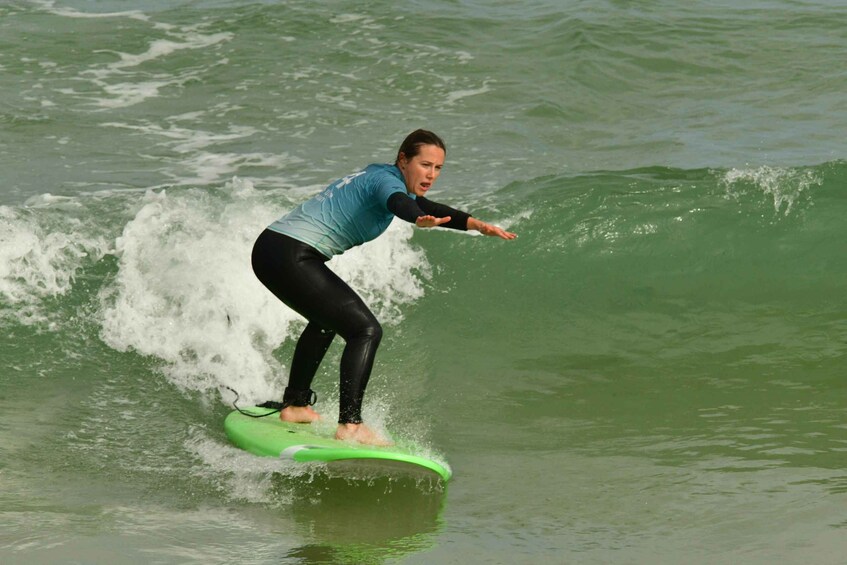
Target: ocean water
{"type": "Point", "coordinates": [653, 372]}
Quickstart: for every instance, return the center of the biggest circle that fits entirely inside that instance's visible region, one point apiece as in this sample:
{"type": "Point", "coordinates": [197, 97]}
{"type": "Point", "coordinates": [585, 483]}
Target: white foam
{"type": "Point", "coordinates": [160, 48]}
{"type": "Point", "coordinates": [196, 150]}
{"type": "Point", "coordinates": [50, 6]}
{"type": "Point", "coordinates": [242, 475]}
{"type": "Point", "coordinates": [784, 185]}
{"type": "Point", "coordinates": [39, 259]}
{"type": "Point", "coordinates": [112, 77]}
{"type": "Point", "coordinates": [185, 292]}
{"type": "Point", "coordinates": [348, 18]}
{"type": "Point", "coordinates": [383, 271]}
{"type": "Point", "coordinates": [456, 95]}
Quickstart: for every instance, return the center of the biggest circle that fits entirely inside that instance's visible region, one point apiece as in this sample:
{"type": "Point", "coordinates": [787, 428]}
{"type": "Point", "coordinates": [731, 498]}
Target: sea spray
{"type": "Point", "coordinates": [785, 185]}
{"type": "Point", "coordinates": [43, 246]}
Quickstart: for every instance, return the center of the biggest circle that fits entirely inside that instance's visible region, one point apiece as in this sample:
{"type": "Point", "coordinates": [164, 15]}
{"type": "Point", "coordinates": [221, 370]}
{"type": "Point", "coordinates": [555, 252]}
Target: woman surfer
{"type": "Point", "coordinates": [290, 257]}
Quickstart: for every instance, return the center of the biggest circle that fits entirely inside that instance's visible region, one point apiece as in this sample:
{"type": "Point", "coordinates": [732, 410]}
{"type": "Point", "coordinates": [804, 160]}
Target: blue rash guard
{"type": "Point", "coordinates": [347, 213]}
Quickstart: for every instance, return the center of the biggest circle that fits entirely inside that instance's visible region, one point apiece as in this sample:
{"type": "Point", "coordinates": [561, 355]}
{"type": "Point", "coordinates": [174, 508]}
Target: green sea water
{"type": "Point", "coordinates": [653, 372]}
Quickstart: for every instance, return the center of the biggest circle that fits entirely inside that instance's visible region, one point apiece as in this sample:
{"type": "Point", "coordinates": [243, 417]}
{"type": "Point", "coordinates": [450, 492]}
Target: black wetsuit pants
{"type": "Point", "coordinates": [297, 274]}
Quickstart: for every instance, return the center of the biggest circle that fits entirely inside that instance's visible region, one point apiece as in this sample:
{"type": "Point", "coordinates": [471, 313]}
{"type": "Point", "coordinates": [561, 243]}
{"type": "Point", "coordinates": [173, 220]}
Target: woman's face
{"type": "Point", "coordinates": [421, 170]}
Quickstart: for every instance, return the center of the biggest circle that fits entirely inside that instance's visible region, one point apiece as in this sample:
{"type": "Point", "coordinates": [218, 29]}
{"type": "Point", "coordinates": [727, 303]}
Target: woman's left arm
{"type": "Point", "coordinates": [461, 220]}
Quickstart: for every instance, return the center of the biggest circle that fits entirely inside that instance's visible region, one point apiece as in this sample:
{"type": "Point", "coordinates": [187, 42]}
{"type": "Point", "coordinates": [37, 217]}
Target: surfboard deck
{"type": "Point", "coordinates": [270, 437]}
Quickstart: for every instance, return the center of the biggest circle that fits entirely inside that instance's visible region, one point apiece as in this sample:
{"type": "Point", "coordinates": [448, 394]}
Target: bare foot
{"type": "Point", "coordinates": [360, 433]}
{"type": "Point", "coordinates": [299, 414]}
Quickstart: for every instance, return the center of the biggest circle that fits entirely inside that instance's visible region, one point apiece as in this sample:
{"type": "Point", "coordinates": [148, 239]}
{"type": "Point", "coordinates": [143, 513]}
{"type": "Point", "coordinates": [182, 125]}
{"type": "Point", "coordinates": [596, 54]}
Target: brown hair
{"type": "Point", "coordinates": [411, 146]}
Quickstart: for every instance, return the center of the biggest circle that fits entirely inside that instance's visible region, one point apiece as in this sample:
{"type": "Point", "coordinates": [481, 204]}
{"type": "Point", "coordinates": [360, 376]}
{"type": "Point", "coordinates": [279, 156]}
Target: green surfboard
{"type": "Point", "coordinates": [270, 437]}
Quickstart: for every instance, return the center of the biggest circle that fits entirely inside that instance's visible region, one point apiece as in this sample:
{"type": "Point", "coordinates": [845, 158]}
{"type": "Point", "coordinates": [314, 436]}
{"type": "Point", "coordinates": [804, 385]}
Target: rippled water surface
{"type": "Point", "coordinates": [653, 372]}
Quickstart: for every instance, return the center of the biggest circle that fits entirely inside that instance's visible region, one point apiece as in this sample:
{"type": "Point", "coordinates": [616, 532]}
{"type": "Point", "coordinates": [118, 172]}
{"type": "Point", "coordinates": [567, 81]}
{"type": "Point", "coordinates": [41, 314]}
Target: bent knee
{"type": "Point", "coordinates": [372, 331]}
{"type": "Point", "coordinates": [356, 322]}
{"type": "Point", "coordinates": [367, 330]}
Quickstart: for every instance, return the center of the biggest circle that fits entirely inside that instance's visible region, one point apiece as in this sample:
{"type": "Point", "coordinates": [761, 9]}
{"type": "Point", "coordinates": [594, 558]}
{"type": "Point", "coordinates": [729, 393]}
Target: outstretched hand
{"type": "Point", "coordinates": [431, 221]}
{"type": "Point", "coordinates": [496, 231]}
{"type": "Point", "coordinates": [488, 229]}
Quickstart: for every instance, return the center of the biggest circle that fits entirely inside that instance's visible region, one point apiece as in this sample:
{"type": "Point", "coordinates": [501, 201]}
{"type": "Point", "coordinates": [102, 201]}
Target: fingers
{"type": "Point", "coordinates": [499, 232]}
{"type": "Point", "coordinates": [430, 221]}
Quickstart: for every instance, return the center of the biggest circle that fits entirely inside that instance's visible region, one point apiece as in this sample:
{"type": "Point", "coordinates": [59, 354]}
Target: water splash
{"type": "Point", "coordinates": [42, 248]}
{"type": "Point", "coordinates": [784, 185]}
{"type": "Point", "coordinates": [185, 292]}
